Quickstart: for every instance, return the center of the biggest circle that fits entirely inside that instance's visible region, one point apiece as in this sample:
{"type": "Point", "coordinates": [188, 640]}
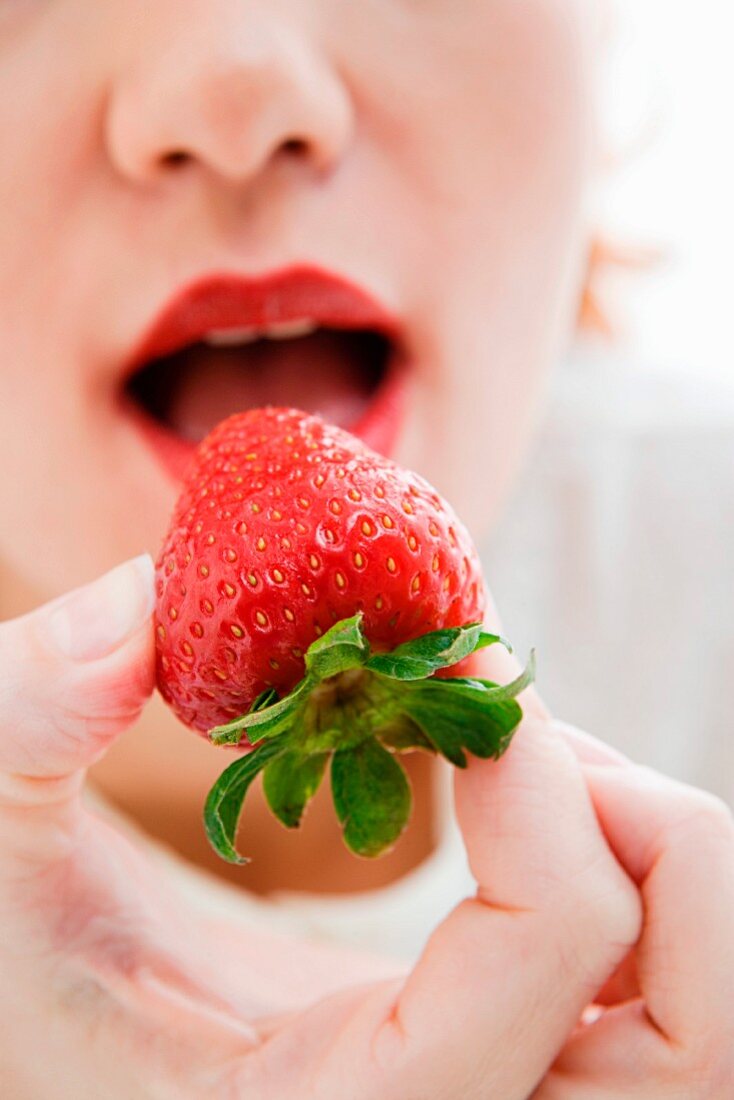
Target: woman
{"type": "Point", "coordinates": [435, 156]}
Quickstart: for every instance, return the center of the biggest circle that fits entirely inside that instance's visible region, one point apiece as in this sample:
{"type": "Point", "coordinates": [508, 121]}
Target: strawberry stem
{"type": "Point", "coordinates": [358, 710]}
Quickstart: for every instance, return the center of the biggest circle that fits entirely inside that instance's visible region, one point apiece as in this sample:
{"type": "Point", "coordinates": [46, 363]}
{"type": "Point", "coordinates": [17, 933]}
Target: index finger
{"type": "Point", "coordinates": [73, 675]}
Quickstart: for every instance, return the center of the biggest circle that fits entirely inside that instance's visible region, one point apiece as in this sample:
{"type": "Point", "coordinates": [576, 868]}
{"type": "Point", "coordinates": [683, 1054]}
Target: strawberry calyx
{"type": "Point", "coordinates": [358, 710]}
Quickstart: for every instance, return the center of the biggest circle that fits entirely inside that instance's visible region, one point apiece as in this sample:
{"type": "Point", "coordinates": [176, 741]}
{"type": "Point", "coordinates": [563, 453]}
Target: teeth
{"type": "Point", "coordinates": [281, 330]}
{"type": "Point", "coordinates": [231, 337]}
{"type": "Point", "coordinates": [290, 330]}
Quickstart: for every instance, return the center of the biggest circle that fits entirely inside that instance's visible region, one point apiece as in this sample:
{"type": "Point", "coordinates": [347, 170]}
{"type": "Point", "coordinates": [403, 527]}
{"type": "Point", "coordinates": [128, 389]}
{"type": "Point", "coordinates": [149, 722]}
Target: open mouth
{"type": "Point", "coordinates": [302, 340]}
{"type": "Point", "coordinates": [335, 374]}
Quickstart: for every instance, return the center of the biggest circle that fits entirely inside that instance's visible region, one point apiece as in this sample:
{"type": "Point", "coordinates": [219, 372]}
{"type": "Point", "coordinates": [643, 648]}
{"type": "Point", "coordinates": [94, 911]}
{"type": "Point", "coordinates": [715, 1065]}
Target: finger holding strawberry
{"type": "Point", "coordinates": [308, 593]}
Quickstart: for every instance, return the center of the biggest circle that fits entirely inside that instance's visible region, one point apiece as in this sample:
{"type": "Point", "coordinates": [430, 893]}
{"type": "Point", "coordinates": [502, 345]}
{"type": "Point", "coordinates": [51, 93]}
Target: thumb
{"type": "Point", "coordinates": [73, 675]}
{"type": "Point", "coordinates": [535, 798]}
{"type": "Point", "coordinates": [554, 913]}
{"type": "Point", "coordinates": [499, 664]}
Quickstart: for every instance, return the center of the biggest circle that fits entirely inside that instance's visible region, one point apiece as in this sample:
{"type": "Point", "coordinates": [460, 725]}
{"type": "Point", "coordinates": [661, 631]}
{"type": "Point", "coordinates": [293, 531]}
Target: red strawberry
{"type": "Point", "coordinates": [293, 549]}
{"type": "Point", "coordinates": [285, 527]}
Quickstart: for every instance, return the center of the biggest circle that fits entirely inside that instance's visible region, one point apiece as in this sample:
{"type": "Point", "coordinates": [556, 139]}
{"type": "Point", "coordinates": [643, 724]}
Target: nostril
{"type": "Point", "coordinates": [295, 147]}
{"type": "Point", "coordinates": [177, 158]}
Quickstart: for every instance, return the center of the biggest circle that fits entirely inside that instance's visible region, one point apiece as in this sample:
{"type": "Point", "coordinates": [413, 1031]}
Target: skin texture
{"type": "Point", "coordinates": [437, 154]}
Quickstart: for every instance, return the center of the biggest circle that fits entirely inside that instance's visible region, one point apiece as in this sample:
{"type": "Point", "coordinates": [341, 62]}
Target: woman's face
{"type": "Point", "coordinates": [431, 153]}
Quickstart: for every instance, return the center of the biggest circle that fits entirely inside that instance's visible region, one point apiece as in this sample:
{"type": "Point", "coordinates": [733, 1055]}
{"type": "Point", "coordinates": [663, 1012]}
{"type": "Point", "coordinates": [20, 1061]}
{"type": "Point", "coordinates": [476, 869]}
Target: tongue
{"type": "Point", "coordinates": [333, 374]}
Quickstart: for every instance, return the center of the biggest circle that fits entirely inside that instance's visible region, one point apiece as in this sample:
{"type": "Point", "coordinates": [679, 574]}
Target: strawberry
{"type": "Point", "coordinates": [308, 591]}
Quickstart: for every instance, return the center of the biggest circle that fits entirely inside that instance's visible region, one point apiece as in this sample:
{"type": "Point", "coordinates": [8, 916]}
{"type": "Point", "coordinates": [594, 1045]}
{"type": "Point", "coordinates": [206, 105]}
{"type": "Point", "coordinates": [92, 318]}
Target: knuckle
{"type": "Point", "coordinates": [716, 813]}
{"type": "Point", "coordinates": [706, 817]}
{"type": "Point", "coordinates": [606, 905]}
{"type": "Point", "coordinates": [82, 735]}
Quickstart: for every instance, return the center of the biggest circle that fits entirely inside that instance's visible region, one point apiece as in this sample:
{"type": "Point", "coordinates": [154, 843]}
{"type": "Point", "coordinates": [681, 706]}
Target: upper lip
{"type": "Point", "coordinates": [223, 302]}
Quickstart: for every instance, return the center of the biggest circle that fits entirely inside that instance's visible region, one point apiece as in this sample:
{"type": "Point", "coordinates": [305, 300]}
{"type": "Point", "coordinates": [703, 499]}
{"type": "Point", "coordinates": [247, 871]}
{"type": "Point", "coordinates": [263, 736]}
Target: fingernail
{"type": "Point", "coordinates": [95, 620]}
{"type": "Point", "coordinates": [590, 750]}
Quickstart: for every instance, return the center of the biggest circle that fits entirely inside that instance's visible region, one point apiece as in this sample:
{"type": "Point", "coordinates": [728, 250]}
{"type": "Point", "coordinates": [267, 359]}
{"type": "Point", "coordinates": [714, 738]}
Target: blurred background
{"type": "Point", "coordinates": [667, 96]}
{"type": "Point", "coordinates": [626, 508]}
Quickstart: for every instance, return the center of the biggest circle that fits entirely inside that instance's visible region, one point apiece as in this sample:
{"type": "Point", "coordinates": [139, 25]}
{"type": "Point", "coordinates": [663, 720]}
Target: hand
{"type": "Point", "coordinates": [667, 1026]}
{"type": "Point", "coordinates": [115, 985]}
{"type": "Point", "coordinates": [118, 986]}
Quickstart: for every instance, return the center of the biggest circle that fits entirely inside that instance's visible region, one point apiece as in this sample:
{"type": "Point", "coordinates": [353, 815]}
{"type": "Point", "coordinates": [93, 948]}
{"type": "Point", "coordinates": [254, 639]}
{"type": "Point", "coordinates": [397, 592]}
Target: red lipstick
{"type": "Point", "coordinates": [223, 310]}
{"type": "Point", "coordinates": [222, 301]}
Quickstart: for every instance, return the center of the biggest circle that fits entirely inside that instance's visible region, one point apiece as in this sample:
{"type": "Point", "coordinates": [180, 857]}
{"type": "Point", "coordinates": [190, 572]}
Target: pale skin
{"type": "Point", "coordinates": [596, 880]}
{"type": "Point", "coordinates": [463, 132]}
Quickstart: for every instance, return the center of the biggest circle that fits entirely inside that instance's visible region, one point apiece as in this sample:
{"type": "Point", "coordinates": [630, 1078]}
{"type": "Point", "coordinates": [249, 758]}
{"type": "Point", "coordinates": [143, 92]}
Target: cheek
{"type": "Point", "coordinates": [65, 492]}
{"type": "Point", "coordinates": [43, 126]}
{"type": "Point", "coordinates": [495, 144]}
{"type": "Point", "coordinates": [515, 253]}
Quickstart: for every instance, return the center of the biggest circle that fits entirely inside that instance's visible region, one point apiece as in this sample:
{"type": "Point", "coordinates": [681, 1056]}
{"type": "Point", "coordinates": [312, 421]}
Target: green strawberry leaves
{"type": "Point", "coordinates": [290, 781]}
{"type": "Point", "coordinates": [372, 797]}
{"type": "Point", "coordinates": [224, 801]}
{"type": "Point", "coordinates": [342, 648]}
{"type": "Point", "coordinates": [443, 648]}
{"type": "Point", "coordinates": [263, 719]}
{"type": "Point", "coordinates": [359, 710]}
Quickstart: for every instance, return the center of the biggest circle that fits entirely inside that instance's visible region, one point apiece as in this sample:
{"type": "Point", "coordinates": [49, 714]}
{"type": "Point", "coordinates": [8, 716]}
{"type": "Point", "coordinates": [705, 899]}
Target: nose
{"type": "Point", "coordinates": [228, 92]}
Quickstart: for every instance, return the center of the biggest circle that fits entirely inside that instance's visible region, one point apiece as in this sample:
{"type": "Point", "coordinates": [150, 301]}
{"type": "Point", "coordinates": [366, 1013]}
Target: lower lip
{"type": "Point", "coordinates": [379, 426]}
{"type": "Point", "coordinates": [381, 423]}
